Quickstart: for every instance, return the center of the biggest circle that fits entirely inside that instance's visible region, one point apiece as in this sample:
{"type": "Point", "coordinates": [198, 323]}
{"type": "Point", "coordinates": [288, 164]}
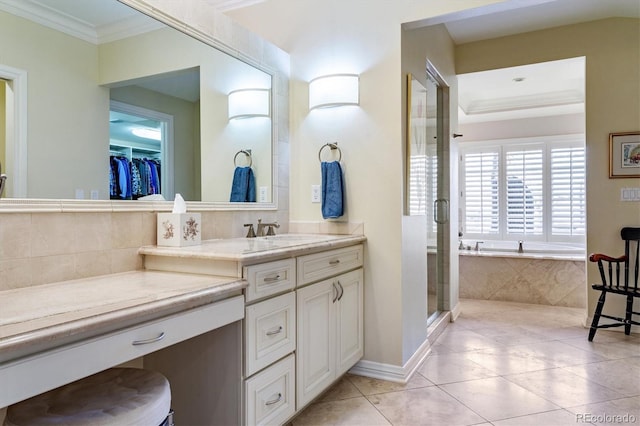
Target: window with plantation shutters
{"type": "Point", "coordinates": [568, 192]}
{"type": "Point", "coordinates": [530, 188]}
{"type": "Point", "coordinates": [481, 191]}
{"type": "Point", "coordinates": [524, 186]}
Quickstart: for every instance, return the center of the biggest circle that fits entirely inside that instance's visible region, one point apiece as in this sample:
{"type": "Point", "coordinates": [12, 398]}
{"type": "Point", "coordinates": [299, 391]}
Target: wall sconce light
{"type": "Point", "coordinates": [334, 90]}
{"type": "Point", "coordinates": [246, 103]}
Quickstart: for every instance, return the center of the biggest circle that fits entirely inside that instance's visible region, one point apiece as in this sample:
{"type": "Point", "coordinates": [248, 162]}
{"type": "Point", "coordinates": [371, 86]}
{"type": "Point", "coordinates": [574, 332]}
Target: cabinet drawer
{"type": "Point", "coordinates": [318, 266]}
{"type": "Point", "coordinates": [270, 395]}
{"type": "Point", "coordinates": [269, 278]}
{"type": "Point", "coordinates": [270, 331]}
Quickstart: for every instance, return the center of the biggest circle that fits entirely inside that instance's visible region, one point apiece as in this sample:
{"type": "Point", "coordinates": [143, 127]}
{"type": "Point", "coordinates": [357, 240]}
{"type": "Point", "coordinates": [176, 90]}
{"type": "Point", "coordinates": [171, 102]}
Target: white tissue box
{"type": "Point", "coordinates": [179, 229]}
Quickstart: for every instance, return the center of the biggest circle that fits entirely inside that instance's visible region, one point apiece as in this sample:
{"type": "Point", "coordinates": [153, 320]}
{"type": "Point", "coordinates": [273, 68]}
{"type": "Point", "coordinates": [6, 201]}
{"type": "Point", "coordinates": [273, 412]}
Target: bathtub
{"type": "Point", "coordinates": [547, 274]}
{"type": "Point", "coordinates": [533, 249]}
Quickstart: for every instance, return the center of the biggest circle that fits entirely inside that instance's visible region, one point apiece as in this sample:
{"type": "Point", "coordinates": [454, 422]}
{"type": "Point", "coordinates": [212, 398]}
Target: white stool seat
{"type": "Point", "coordinates": [117, 396]}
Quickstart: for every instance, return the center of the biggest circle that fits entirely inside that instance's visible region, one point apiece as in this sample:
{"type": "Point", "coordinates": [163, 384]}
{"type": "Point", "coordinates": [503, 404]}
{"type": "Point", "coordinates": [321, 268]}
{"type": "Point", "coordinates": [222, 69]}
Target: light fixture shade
{"type": "Point", "coordinates": [247, 103]}
{"type": "Point", "coordinates": [334, 90]}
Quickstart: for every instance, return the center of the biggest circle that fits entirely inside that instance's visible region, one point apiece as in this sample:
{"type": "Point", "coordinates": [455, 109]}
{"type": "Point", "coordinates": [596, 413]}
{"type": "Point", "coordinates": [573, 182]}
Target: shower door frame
{"type": "Point", "coordinates": [441, 205]}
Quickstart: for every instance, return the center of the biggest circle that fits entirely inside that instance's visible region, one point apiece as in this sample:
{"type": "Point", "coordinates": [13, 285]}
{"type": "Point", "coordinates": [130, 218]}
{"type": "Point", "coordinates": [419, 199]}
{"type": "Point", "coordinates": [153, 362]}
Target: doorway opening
{"type": "Point", "coordinates": [522, 174]}
{"type": "Point", "coordinates": [142, 140]}
{"type": "Point", "coordinates": [13, 130]}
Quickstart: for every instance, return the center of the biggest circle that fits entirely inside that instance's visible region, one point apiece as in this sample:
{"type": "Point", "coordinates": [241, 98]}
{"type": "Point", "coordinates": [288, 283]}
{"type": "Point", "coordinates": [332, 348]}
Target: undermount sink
{"type": "Point", "coordinates": [298, 237]}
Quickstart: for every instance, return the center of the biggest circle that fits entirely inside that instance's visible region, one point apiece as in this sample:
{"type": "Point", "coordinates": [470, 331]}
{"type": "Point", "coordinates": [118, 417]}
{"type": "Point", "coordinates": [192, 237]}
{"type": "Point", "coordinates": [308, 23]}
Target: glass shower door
{"type": "Point", "coordinates": [432, 199]}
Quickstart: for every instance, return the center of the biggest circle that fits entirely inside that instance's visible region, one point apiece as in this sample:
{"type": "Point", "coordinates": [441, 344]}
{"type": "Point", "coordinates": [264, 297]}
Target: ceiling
{"type": "Point", "coordinates": [226, 5]}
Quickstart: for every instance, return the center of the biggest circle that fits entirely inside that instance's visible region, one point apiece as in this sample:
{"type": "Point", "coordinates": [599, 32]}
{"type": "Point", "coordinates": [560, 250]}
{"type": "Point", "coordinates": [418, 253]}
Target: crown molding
{"type": "Point", "coordinates": [513, 103]}
{"type": "Point", "coordinates": [77, 27]}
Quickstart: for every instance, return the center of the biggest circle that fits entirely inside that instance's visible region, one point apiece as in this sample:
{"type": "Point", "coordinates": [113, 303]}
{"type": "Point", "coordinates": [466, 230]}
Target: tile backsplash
{"type": "Point", "coordinates": [39, 248]}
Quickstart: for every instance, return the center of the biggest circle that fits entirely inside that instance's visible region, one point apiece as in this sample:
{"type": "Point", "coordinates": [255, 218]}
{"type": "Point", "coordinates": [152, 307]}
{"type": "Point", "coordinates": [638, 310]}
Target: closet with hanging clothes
{"type": "Point", "coordinates": [133, 172]}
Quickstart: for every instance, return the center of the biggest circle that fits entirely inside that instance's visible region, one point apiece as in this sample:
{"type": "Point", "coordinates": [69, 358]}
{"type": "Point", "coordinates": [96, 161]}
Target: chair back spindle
{"type": "Point", "coordinates": [611, 268]}
{"type": "Point", "coordinates": [631, 237]}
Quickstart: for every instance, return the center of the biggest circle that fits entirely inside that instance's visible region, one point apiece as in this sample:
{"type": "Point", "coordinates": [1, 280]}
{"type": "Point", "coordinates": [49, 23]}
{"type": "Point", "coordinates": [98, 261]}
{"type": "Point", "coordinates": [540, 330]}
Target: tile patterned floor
{"type": "Point", "coordinates": [502, 364]}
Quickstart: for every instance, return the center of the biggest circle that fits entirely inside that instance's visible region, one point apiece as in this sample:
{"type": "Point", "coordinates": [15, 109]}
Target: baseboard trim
{"type": "Point", "coordinates": [402, 374]}
{"type": "Point", "coordinates": [455, 312]}
{"type": "Point", "coordinates": [389, 372]}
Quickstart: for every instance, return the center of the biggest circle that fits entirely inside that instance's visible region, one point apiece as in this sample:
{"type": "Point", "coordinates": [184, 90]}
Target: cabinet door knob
{"type": "Point", "coordinates": [276, 331]}
{"type": "Point", "coordinates": [147, 341]}
{"type": "Point", "coordinates": [275, 400]}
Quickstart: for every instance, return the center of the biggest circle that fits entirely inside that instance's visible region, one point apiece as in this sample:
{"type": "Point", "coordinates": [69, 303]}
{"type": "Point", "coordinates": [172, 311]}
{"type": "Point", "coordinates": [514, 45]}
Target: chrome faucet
{"type": "Point", "coordinates": [520, 249]}
{"type": "Point", "coordinates": [251, 233]}
{"type": "Point", "coordinates": [3, 180]}
{"type": "Point", "coordinates": [260, 231]}
{"type": "Point", "coordinates": [478, 245]}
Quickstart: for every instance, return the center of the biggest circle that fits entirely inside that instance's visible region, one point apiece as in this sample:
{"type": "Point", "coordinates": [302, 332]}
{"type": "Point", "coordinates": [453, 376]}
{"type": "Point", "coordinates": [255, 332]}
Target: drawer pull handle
{"type": "Point", "coordinates": [274, 401]}
{"type": "Point", "coordinates": [335, 297]}
{"type": "Point", "coordinates": [341, 291]}
{"type": "Point", "coordinates": [334, 262]}
{"type": "Point", "coordinates": [147, 341]}
{"type": "Point", "coordinates": [277, 331]}
{"type": "Point", "coordinates": [271, 279]}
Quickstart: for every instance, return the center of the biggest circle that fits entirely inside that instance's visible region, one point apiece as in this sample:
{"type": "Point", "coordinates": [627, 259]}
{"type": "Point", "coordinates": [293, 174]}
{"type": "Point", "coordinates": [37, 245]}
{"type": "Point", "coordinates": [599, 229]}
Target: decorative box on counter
{"type": "Point", "coordinates": [179, 229]}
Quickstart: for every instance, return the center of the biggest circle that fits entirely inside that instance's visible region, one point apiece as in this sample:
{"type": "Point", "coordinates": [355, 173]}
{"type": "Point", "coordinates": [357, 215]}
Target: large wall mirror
{"type": "Point", "coordinates": [99, 81]}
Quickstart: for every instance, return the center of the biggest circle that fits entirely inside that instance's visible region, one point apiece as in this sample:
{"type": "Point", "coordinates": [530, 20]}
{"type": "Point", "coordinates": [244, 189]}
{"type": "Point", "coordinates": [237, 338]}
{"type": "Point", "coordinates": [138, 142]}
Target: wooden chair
{"type": "Point", "coordinates": [620, 276]}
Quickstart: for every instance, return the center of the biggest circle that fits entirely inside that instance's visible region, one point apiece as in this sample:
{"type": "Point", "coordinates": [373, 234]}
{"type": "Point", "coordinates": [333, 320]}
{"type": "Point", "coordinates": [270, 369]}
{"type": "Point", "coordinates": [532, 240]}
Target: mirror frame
{"type": "Point", "coordinates": [28, 205]}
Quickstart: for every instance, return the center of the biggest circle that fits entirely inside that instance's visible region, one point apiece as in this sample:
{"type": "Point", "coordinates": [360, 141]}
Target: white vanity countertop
{"type": "Point", "coordinates": [45, 316]}
{"type": "Point", "coordinates": [254, 250]}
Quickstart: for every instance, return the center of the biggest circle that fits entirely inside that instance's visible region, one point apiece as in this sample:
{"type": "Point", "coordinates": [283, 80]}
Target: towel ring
{"type": "Point", "coordinates": [332, 146]}
{"type": "Point", "coordinates": [247, 153]}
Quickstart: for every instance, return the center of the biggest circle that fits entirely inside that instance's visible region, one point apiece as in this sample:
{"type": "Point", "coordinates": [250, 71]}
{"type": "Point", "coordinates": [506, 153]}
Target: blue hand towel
{"type": "Point", "coordinates": [251, 188]}
{"type": "Point", "coordinates": [332, 187]}
{"type": "Point", "coordinates": [243, 187]}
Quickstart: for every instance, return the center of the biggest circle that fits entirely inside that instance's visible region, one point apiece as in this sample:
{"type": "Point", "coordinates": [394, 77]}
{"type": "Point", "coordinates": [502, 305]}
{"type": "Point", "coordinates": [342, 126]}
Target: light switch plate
{"type": "Point", "coordinates": [630, 194]}
{"type": "Point", "coordinates": [315, 193]}
{"type": "Point", "coordinates": [262, 194]}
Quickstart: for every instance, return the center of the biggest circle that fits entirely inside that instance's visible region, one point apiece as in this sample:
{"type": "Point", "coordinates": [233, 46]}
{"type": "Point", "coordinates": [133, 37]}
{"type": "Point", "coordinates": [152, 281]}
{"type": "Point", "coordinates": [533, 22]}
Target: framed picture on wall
{"type": "Point", "coordinates": [624, 155]}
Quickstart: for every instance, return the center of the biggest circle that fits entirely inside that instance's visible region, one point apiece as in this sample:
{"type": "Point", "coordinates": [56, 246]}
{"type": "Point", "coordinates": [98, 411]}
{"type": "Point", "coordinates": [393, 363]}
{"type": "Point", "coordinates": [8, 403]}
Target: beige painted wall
{"type": "Point", "coordinates": [65, 106]}
{"type": "Point", "coordinates": [336, 36]}
{"type": "Point", "coordinates": [612, 51]}
{"type": "Point", "coordinates": [523, 128]}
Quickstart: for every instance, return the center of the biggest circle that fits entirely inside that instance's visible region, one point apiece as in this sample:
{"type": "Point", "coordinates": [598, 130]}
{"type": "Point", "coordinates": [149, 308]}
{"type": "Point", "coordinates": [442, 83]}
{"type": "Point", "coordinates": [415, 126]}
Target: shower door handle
{"type": "Point", "coordinates": [441, 211]}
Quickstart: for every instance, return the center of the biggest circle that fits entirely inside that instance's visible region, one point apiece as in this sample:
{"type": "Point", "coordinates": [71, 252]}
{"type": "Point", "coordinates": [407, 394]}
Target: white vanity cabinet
{"type": "Point", "coordinates": [330, 321]}
{"type": "Point", "coordinates": [318, 328]}
{"type": "Point", "coordinates": [303, 323]}
{"type": "Point", "coordinates": [269, 336]}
